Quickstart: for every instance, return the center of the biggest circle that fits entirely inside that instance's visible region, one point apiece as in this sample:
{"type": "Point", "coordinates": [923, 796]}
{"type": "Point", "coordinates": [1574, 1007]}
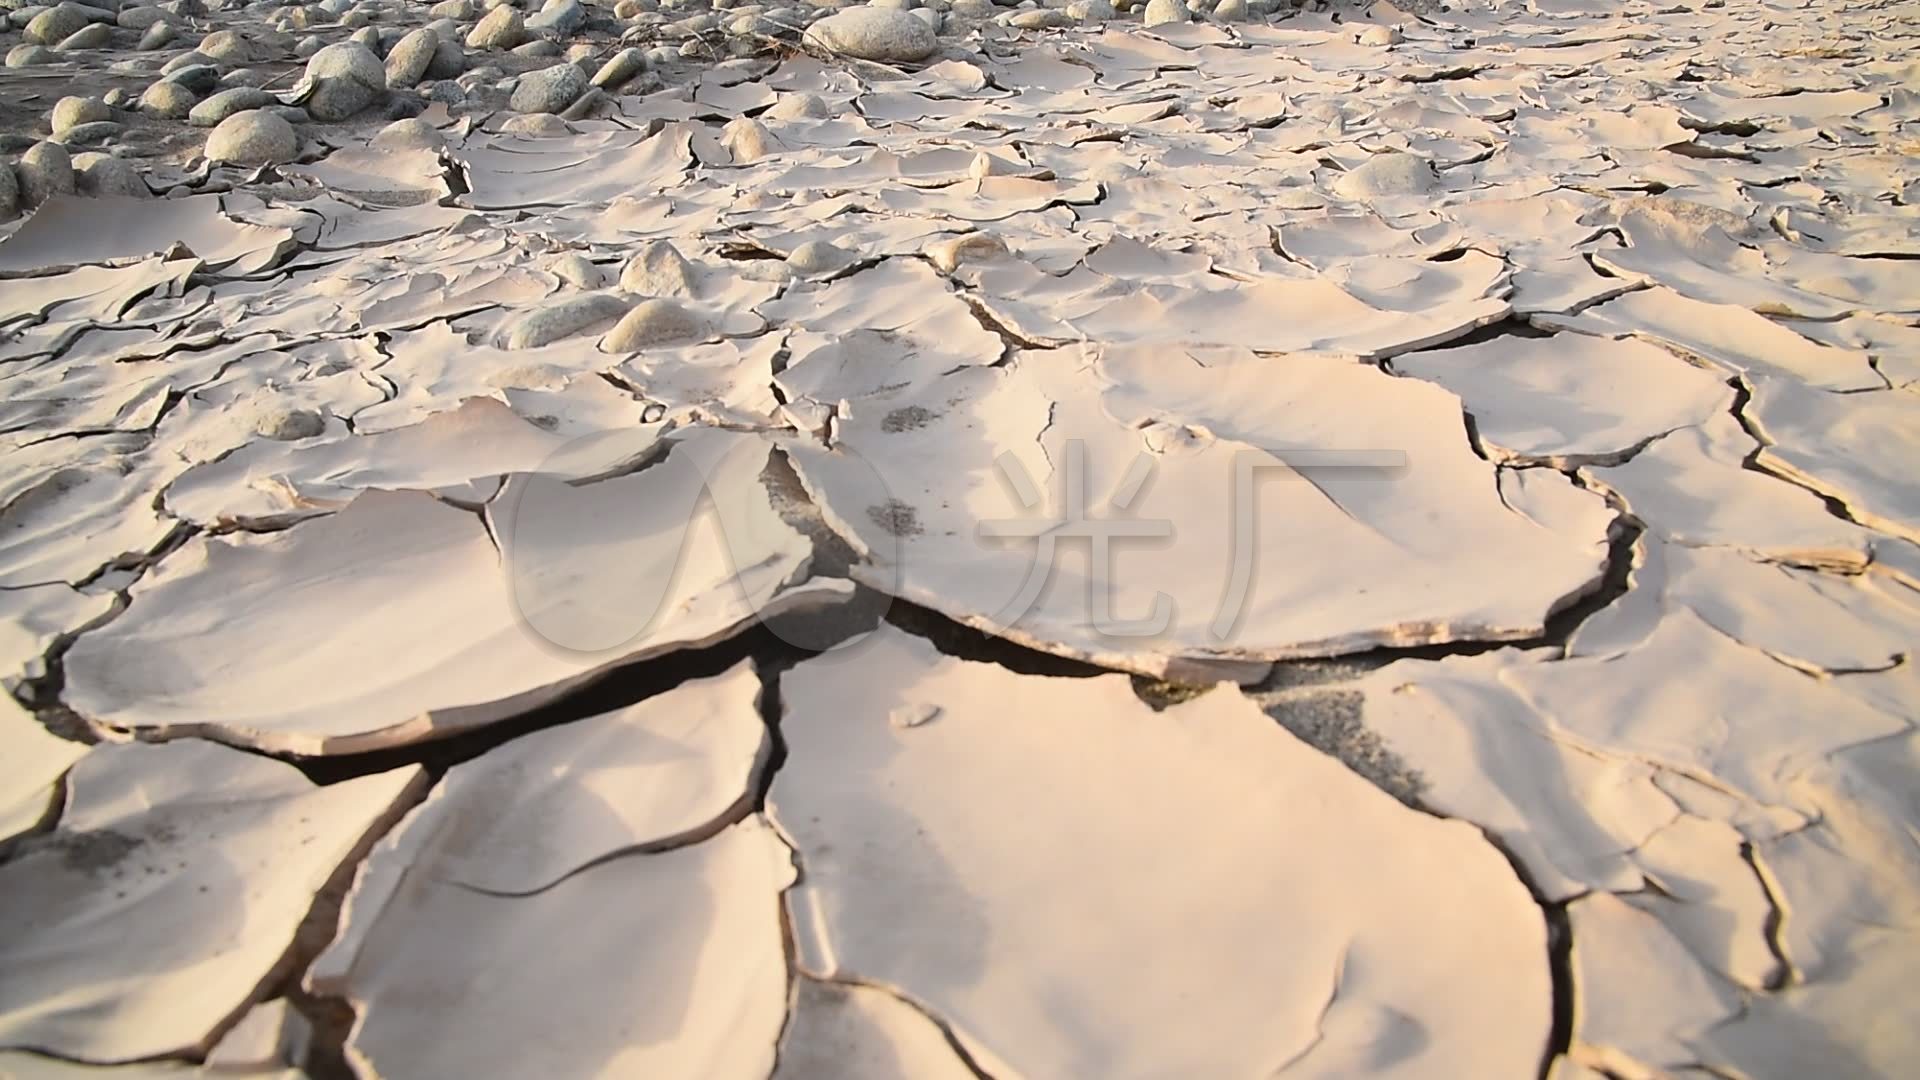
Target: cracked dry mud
{"type": "Point", "coordinates": [713, 540]}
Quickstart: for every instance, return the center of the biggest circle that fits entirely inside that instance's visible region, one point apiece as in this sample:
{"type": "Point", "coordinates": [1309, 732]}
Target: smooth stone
{"type": "Point", "coordinates": [21, 56]}
{"type": "Point", "coordinates": [658, 269]}
{"type": "Point", "coordinates": [1389, 173]}
{"type": "Point", "coordinates": [412, 131]}
{"type": "Point", "coordinates": [874, 34]}
{"type": "Point", "coordinates": [819, 257]}
{"type": "Point", "coordinates": [9, 191]}
{"type": "Point", "coordinates": [347, 60]}
{"type": "Point", "coordinates": [799, 106]}
{"type": "Point", "coordinates": [45, 170]}
{"type": "Point", "coordinates": [449, 60]}
{"type": "Point", "coordinates": [256, 137]}
{"type": "Point", "coordinates": [56, 24]}
{"type": "Point", "coordinates": [289, 425]}
{"type": "Point", "coordinates": [88, 134]}
{"type": "Point", "coordinates": [158, 36]}
{"type": "Point", "coordinates": [190, 58]}
{"type": "Point", "coordinates": [140, 18]}
{"type": "Point", "coordinates": [168, 99]}
{"type": "Point", "coordinates": [655, 322]}
{"type": "Point", "coordinates": [503, 28]}
{"type": "Point", "coordinates": [538, 125]}
{"type": "Point", "coordinates": [95, 36]}
{"type": "Point", "coordinates": [70, 112]}
{"type": "Point", "coordinates": [227, 47]}
{"type": "Point", "coordinates": [213, 110]}
{"type": "Point", "coordinates": [345, 78]}
{"type": "Point", "coordinates": [577, 270]}
{"type": "Point", "coordinates": [548, 90]}
{"type": "Point", "coordinates": [199, 78]}
{"type": "Point", "coordinates": [561, 319]}
{"type": "Point", "coordinates": [1162, 12]}
{"type": "Point", "coordinates": [405, 105]}
{"type": "Point", "coordinates": [1047, 19]}
{"type": "Point", "coordinates": [748, 140]}
{"type": "Point", "coordinates": [558, 17]}
{"type": "Point", "coordinates": [584, 105]}
{"type": "Point", "coordinates": [409, 59]}
{"type": "Point", "coordinates": [621, 68]}
{"type": "Point", "coordinates": [244, 77]}
{"type": "Point", "coordinates": [105, 175]}
{"type": "Point", "coordinates": [334, 100]}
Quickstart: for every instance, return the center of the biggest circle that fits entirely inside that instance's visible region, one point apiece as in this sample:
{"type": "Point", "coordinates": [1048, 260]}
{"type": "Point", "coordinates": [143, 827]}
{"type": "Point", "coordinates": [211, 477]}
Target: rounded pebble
{"type": "Point", "coordinates": [45, 170]}
{"type": "Point", "coordinates": [256, 137]}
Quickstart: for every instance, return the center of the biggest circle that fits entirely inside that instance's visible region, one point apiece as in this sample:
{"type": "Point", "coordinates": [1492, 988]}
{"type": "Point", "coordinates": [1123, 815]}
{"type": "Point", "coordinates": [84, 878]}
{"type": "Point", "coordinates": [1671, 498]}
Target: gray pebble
{"type": "Point", "coordinates": [344, 79]}
{"type": "Point", "coordinates": [9, 191]}
{"type": "Point", "coordinates": [449, 60]}
{"type": "Point", "coordinates": [45, 171]}
{"type": "Point", "coordinates": [287, 425]}
{"type": "Point", "coordinates": [88, 134]}
{"type": "Point", "coordinates": [226, 47]}
{"type": "Point", "coordinates": [56, 24]}
{"type": "Point", "coordinates": [214, 109]}
{"type": "Point", "coordinates": [548, 90]}
{"type": "Point", "coordinates": [503, 28]}
{"type": "Point", "coordinates": [412, 131]}
{"type": "Point", "coordinates": [620, 69]}
{"type": "Point", "coordinates": [71, 112]}
{"type": "Point", "coordinates": [105, 175]}
{"type": "Point", "coordinates": [199, 78]}
{"type": "Point", "coordinates": [96, 36]}
{"type": "Point", "coordinates": [409, 59]}
{"type": "Point", "coordinates": [168, 99]}
{"type": "Point", "coordinates": [405, 105]}
{"type": "Point", "coordinates": [558, 18]}
{"type": "Point", "coordinates": [256, 137]}
{"type": "Point", "coordinates": [21, 56]}
{"type": "Point", "coordinates": [562, 319]}
{"type": "Point", "coordinates": [140, 18]}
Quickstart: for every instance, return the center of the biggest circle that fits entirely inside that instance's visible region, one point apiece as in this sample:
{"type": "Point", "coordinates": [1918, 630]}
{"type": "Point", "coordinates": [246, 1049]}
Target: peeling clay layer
{"type": "Point", "coordinates": [932, 538]}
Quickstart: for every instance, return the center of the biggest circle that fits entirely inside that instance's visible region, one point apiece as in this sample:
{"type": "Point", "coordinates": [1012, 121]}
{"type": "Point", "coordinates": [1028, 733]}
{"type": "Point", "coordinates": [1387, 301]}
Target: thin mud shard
{"type": "Point", "coordinates": [202, 861]}
{"type": "Point", "coordinates": [1177, 445]}
{"type": "Point", "coordinates": [451, 631]}
{"type": "Point", "coordinates": [1290, 923]}
{"type": "Point", "coordinates": [629, 908]}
